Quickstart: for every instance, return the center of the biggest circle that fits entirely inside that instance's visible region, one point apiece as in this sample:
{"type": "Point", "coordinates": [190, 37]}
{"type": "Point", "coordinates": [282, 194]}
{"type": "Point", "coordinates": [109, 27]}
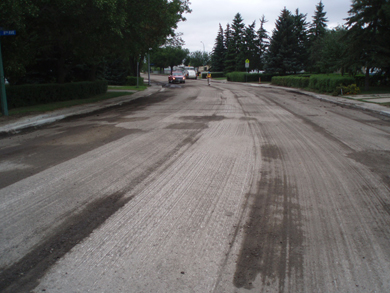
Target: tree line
{"type": "Point", "coordinates": [297, 45]}
{"type": "Point", "coordinates": [61, 41]}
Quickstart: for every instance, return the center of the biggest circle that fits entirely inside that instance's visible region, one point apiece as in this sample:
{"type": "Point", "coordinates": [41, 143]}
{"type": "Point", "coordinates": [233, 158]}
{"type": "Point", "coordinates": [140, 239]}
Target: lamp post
{"type": "Point", "coordinates": [203, 55]}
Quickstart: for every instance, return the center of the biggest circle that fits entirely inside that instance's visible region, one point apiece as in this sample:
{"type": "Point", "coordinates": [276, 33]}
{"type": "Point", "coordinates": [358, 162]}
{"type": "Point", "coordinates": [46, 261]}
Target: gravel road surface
{"type": "Point", "coordinates": [196, 188]}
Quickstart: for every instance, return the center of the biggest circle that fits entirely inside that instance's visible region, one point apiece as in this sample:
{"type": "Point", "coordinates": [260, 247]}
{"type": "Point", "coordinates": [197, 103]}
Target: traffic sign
{"type": "Point", "coordinates": [7, 33]}
{"type": "Point", "coordinates": [247, 61]}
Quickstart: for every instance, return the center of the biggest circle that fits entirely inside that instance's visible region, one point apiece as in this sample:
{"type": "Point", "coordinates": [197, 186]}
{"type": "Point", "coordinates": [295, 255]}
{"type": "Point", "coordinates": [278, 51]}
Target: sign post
{"type": "Point", "coordinates": [247, 68]}
{"type": "Point", "coordinates": [4, 106]}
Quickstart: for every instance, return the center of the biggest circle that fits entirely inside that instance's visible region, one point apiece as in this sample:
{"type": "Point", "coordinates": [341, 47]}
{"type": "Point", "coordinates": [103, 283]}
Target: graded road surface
{"type": "Point", "coordinates": [196, 188]}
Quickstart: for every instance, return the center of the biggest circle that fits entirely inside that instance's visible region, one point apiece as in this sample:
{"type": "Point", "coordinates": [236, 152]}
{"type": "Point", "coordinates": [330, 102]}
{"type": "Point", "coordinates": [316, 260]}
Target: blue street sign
{"type": "Point", "coordinates": [7, 33]}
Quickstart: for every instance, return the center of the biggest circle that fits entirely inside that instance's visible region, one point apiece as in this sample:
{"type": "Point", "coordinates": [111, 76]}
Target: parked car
{"type": "Point", "coordinates": [190, 74]}
{"type": "Point", "coordinates": [177, 76]}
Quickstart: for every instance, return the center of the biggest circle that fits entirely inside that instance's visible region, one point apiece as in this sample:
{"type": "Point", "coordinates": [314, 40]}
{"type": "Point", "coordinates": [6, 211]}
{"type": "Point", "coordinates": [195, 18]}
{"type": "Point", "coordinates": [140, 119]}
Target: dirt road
{"type": "Point", "coordinates": [221, 188]}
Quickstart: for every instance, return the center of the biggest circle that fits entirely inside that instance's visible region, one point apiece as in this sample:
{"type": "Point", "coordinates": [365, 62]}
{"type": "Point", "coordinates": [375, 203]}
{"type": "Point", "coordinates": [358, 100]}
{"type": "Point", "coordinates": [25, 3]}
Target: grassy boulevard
{"type": "Point", "coordinates": [65, 104]}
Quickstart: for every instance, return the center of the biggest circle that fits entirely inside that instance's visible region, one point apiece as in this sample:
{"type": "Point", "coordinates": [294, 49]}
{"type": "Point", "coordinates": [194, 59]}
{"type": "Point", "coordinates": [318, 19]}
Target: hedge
{"type": "Point", "coordinates": [213, 74]}
{"type": "Point", "coordinates": [328, 83]}
{"type": "Point", "coordinates": [291, 81]}
{"type": "Point", "coordinates": [34, 94]}
{"type": "Point", "coordinates": [132, 80]}
{"type": "Point", "coordinates": [320, 82]}
{"type": "Point", "coordinates": [248, 77]}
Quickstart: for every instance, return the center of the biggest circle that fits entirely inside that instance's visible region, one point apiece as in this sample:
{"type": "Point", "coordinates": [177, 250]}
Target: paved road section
{"type": "Point", "coordinates": [196, 188]}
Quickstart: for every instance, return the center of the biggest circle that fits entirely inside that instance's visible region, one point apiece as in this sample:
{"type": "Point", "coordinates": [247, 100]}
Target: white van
{"type": "Point", "coordinates": [190, 74]}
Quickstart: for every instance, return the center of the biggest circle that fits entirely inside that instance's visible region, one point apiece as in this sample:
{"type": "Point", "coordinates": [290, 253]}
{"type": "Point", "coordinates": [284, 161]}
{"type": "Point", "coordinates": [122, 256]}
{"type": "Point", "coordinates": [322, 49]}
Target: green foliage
{"type": "Point", "coordinates": [368, 35]}
{"type": "Point", "coordinates": [132, 80]}
{"type": "Point", "coordinates": [319, 82]}
{"type": "Point", "coordinates": [70, 33]}
{"type": "Point", "coordinates": [328, 83]}
{"type": "Point", "coordinates": [213, 74]}
{"type": "Point", "coordinates": [287, 50]}
{"type": "Point", "coordinates": [168, 56]}
{"type": "Point", "coordinates": [248, 77]}
{"type": "Point", "coordinates": [219, 51]}
{"type": "Point", "coordinates": [198, 58]}
{"type": "Point", "coordinates": [291, 81]}
{"type": "Point", "coordinates": [351, 89]}
{"type": "Point", "coordinates": [34, 94]}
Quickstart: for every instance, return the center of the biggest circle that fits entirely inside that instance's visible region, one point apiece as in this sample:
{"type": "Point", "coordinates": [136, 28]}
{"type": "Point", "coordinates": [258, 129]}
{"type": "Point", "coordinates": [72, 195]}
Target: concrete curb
{"type": "Point", "coordinates": [371, 107]}
{"type": "Point", "coordinates": [57, 115]}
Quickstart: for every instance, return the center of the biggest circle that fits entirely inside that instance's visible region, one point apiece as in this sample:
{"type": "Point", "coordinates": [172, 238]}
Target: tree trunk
{"type": "Point", "coordinates": [92, 72]}
{"type": "Point", "coordinates": [61, 73]}
{"type": "Point", "coordinates": [367, 79]}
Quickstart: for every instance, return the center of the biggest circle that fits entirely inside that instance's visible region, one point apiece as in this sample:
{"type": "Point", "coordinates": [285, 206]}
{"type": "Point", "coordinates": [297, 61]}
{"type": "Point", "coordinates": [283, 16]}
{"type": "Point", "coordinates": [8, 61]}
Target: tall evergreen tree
{"type": "Point", "coordinates": [368, 35]}
{"type": "Point", "coordinates": [250, 47]}
{"type": "Point", "coordinates": [281, 55]}
{"type": "Point", "coordinates": [301, 52]}
{"type": "Point", "coordinates": [317, 31]}
{"type": "Point", "coordinates": [218, 54]}
{"type": "Point", "coordinates": [262, 43]}
{"type": "Point", "coordinates": [318, 26]}
{"type": "Point", "coordinates": [238, 39]}
{"type": "Point", "coordinates": [230, 62]}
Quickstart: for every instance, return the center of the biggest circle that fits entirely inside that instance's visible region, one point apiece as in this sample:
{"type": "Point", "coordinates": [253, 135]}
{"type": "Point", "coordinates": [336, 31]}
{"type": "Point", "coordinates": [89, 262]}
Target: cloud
{"type": "Point", "coordinates": [203, 23]}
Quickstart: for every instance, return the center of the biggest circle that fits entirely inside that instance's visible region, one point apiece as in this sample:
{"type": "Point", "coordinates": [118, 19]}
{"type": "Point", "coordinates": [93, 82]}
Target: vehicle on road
{"type": "Point", "coordinates": [190, 74]}
{"type": "Point", "coordinates": [177, 76]}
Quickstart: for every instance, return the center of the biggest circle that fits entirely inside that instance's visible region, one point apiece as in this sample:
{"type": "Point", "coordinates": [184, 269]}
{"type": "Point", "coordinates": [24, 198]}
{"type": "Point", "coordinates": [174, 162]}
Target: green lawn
{"type": "Point", "coordinates": [128, 88]}
{"type": "Point", "coordinates": [376, 90]}
{"type": "Point", "coordinates": [65, 104]}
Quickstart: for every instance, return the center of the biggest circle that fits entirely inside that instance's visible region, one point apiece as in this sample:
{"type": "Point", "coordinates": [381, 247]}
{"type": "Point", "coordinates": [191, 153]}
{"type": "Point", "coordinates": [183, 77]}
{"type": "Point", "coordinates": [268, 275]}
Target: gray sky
{"type": "Point", "coordinates": [203, 23]}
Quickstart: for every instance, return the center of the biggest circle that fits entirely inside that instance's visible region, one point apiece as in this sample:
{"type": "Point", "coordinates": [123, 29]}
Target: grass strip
{"type": "Point", "coordinates": [65, 104]}
{"type": "Point", "coordinates": [128, 88]}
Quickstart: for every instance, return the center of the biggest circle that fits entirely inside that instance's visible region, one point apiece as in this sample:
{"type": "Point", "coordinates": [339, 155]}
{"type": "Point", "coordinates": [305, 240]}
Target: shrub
{"type": "Point", "coordinates": [213, 74]}
{"type": "Point", "coordinates": [248, 77]}
{"type": "Point", "coordinates": [291, 81]}
{"type": "Point", "coordinates": [34, 94]}
{"type": "Point", "coordinates": [328, 83]}
{"type": "Point", "coordinates": [132, 80]}
{"type": "Point", "coordinates": [351, 89]}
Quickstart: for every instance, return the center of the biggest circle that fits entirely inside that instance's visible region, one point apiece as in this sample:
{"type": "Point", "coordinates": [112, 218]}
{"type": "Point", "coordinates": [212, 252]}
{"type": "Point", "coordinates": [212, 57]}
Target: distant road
{"type": "Point", "coordinates": [198, 188]}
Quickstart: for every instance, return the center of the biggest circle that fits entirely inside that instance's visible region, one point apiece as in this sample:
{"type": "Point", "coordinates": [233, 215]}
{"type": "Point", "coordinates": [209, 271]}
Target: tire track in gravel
{"type": "Point", "coordinates": [337, 223]}
{"type": "Point", "coordinates": [23, 275]}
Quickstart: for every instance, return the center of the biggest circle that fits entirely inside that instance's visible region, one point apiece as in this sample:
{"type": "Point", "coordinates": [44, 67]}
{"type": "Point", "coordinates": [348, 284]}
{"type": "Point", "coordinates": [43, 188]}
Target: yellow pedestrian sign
{"type": "Point", "coordinates": [247, 63]}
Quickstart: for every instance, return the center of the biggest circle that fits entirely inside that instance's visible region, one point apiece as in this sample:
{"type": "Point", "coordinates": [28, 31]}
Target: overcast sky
{"type": "Point", "coordinates": [203, 23]}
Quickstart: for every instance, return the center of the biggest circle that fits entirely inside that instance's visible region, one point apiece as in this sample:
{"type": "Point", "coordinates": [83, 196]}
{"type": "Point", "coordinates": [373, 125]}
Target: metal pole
{"type": "Point", "coordinates": [203, 55]}
{"type": "Point", "coordinates": [4, 107]}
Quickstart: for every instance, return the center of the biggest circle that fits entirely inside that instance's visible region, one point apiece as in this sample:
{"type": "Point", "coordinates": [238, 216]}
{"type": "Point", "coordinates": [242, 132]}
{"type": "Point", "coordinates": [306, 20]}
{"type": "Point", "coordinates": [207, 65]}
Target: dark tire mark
{"type": "Point", "coordinates": [23, 275]}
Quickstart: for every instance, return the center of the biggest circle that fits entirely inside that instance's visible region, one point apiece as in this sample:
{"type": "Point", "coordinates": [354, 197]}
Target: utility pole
{"type": "Point", "coordinates": [203, 55]}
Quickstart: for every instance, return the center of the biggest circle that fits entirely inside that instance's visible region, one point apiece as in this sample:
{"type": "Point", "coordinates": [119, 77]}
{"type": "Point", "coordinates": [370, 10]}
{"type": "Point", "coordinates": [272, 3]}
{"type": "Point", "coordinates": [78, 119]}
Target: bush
{"type": "Point", "coordinates": [213, 74]}
{"type": "Point", "coordinates": [351, 89]}
{"type": "Point", "coordinates": [248, 77]}
{"type": "Point", "coordinates": [328, 83]}
{"type": "Point", "coordinates": [291, 81]}
{"type": "Point", "coordinates": [34, 94]}
{"type": "Point", "coordinates": [132, 80]}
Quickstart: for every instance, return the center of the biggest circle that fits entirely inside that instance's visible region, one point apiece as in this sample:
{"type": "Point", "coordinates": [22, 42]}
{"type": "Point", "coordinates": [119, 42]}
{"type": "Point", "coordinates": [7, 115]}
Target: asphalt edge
{"type": "Point", "coordinates": [33, 122]}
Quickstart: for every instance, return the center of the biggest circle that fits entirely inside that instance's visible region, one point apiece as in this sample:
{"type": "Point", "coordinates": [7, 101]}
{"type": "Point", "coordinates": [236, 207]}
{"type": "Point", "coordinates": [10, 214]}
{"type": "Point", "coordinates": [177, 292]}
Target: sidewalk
{"type": "Point", "coordinates": [369, 103]}
{"type": "Point", "coordinates": [15, 125]}
{"type": "Point", "coordinates": [12, 125]}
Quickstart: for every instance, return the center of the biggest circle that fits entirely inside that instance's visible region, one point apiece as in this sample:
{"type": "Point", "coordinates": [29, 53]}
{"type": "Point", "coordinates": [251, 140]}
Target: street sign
{"type": "Point", "coordinates": [7, 33]}
{"type": "Point", "coordinates": [3, 97]}
{"type": "Point", "coordinates": [247, 63]}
